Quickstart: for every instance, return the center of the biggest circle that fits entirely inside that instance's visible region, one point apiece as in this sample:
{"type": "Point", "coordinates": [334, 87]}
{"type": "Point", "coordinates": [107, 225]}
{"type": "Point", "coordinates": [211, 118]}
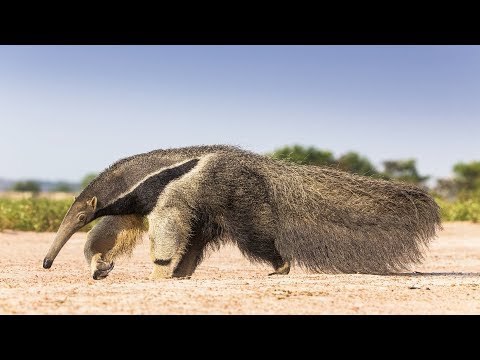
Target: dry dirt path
{"type": "Point", "coordinates": [226, 283]}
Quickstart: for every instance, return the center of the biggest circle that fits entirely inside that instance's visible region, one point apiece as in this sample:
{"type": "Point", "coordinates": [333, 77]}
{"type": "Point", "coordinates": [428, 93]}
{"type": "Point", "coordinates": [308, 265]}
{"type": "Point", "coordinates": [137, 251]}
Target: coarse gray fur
{"type": "Point", "coordinates": [195, 198]}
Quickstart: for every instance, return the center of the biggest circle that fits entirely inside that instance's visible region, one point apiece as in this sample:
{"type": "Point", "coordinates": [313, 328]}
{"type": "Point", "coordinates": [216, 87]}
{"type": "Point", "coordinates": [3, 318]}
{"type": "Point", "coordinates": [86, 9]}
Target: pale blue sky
{"type": "Point", "coordinates": [69, 110]}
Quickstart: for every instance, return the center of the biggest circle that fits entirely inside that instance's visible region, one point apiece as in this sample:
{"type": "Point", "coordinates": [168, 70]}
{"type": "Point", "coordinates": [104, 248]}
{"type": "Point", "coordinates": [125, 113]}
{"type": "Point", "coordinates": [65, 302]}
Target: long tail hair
{"type": "Point", "coordinates": [333, 221]}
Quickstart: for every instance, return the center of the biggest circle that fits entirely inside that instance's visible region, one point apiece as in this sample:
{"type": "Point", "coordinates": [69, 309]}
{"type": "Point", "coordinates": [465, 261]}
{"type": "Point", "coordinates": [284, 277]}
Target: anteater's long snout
{"type": "Point", "coordinates": [47, 263]}
{"type": "Point", "coordinates": [63, 235]}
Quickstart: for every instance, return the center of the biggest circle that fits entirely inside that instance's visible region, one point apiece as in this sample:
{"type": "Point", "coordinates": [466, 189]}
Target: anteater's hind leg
{"type": "Point", "coordinates": [111, 237]}
{"type": "Point", "coordinates": [282, 267]}
{"type": "Point", "coordinates": [266, 251]}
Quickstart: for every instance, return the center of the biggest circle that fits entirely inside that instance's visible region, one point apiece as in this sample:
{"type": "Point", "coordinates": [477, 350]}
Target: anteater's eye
{"type": "Point", "coordinates": [81, 217]}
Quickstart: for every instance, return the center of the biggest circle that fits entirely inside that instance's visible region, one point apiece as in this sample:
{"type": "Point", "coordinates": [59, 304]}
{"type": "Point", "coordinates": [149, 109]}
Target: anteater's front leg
{"type": "Point", "coordinates": [111, 237]}
{"type": "Point", "coordinates": [169, 231]}
{"type": "Point", "coordinates": [192, 256]}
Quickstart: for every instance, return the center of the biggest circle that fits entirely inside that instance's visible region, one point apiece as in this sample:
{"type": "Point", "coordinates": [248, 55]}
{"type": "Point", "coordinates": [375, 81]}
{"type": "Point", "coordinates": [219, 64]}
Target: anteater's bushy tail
{"type": "Point", "coordinates": [333, 221]}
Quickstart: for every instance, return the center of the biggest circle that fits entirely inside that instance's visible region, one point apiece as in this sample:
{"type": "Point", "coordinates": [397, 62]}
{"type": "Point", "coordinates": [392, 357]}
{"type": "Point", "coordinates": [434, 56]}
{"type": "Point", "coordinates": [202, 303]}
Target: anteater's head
{"type": "Point", "coordinates": [80, 213]}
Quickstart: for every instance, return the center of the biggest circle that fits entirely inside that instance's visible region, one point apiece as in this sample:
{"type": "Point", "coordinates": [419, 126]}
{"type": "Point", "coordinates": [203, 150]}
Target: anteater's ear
{"type": "Point", "coordinates": [92, 202]}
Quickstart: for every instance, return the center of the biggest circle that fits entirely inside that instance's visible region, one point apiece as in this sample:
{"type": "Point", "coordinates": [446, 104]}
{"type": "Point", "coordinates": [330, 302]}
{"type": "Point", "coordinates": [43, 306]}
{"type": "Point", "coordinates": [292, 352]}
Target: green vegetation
{"type": "Point", "coordinates": [34, 214]}
{"type": "Point", "coordinates": [459, 197]}
{"type": "Point", "coordinates": [28, 185]}
{"type": "Point", "coordinates": [460, 210]}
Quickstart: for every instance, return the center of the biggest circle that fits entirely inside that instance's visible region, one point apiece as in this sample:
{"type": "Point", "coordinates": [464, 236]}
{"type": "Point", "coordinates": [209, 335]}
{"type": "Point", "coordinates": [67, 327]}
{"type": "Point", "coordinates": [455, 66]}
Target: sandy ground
{"type": "Point", "coordinates": [226, 283]}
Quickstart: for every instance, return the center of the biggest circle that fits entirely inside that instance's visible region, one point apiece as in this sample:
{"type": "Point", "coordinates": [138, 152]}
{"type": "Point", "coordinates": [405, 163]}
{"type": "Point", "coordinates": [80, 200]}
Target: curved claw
{"type": "Point", "coordinates": [103, 268]}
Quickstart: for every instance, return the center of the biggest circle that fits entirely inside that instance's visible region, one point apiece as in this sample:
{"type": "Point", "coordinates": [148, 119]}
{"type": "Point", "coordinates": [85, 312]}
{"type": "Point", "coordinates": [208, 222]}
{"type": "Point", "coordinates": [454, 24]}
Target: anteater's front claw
{"type": "Point", "coordinates": [102, 270]}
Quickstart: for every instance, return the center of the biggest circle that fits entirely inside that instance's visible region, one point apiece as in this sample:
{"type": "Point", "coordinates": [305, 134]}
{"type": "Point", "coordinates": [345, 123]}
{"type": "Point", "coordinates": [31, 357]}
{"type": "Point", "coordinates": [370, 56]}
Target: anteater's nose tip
{"type": "Point", "coordinates": [47, 264]}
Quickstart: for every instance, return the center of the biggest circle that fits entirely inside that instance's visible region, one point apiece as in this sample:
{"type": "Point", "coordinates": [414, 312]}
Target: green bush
{"type": "Point", "coordinates": [460, 210]}
{"type": "Point", "coordinates": [34, 214]}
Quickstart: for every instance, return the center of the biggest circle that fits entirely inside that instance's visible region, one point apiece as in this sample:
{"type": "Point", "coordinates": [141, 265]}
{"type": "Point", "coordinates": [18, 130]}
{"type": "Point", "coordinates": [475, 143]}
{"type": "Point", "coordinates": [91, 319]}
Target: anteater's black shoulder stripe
{"type": "Point", "coordinates": [142, 199]}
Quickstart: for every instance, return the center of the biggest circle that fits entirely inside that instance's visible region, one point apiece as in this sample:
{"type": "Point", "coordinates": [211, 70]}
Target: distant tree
{"type": "Point", "coordinates": [404, 170]}
{"type": "Point", "coordinates": [468, 175]}
{"type": "Point", "coordinates": [448, 188]}
{"type": "Point", "coordinates": [303, 155]}
{"type": "Point", "coordinates": [87, 179]}
{"type": "Point", "coordinates": [28, 185]}
{"type": "Point", "coordinates": [464, 184]}
{"type": "Point", "coordinates": [354, 163]}
{"type": "Point", "coordinates": [61, 187]}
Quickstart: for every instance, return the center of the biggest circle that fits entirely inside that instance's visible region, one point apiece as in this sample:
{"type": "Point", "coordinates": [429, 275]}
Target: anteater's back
{"type": "Point", "coordinates": [332, 221]}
